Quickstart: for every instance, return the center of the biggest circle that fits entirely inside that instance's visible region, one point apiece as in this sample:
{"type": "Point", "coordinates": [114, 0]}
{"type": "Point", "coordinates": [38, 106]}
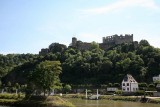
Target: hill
{"type": "Point", "coordinates": [94, 66]}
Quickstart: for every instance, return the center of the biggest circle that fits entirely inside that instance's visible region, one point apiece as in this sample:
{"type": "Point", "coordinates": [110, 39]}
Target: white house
{"type": "Point", "coordinates": [129, 84]}
{"type": "Point", "coordinates": [156, 78]}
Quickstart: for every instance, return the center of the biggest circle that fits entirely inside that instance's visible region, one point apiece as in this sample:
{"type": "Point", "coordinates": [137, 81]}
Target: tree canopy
{"type": "Point", "coordinates": [46, 75]}
{"type": "Point", "coordinates": [76, 67]}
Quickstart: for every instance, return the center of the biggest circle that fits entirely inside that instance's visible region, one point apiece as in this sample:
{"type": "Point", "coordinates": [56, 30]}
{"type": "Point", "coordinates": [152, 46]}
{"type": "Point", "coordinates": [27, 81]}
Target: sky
{"type": "Point", "coordinates": [27, 26]}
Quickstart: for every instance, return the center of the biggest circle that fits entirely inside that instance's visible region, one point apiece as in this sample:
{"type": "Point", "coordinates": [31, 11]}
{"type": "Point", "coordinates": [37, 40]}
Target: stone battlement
{"type": "Point", "coordinates": [115, 39]}
{"type": "Point", "coordinates": [107, 42]}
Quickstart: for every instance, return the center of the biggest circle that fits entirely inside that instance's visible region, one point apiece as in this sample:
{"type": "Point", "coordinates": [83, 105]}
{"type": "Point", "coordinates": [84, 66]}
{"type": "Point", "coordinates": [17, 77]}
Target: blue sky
{"type": "Point", "coordinates": [26, 26]}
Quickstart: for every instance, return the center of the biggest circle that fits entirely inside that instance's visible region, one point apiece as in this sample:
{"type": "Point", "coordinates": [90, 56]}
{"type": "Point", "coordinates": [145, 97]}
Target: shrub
{"type": "Point", "coordinates": [144, 85]}
{"type": "Point", "coordinates": [67, 88]}
{"type": "Point", "coordinates": [116, 85]}
{"type": "Point", "coordinates": [140, 92]}
{"type": "Point", "coordinates": [110, 84]}
{"type": "Point", "coordinates": [11, 96]}
{"type": "Point", "coordinates": [151, 86]}
{"type": "Point", "coordinates": [118, 92]}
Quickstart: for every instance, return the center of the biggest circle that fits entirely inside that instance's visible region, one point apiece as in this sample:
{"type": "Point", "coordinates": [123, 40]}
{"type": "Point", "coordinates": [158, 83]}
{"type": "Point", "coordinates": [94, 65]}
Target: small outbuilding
{"type": "Point", "coordinates": [156, 78]}
{"type": "Point", "coordinates": [112, 89]}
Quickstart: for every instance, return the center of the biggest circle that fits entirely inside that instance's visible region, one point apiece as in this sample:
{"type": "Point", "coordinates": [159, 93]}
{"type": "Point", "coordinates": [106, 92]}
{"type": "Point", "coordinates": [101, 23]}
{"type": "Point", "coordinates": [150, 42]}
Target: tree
{"type": "Point", "coordinates": [125, 64]}
{"type": "Point", "coordinates": [0, 84]}
{"type": "Point", "coordinates": [46, 75]}
{"type": "Point", "coordinates": [56, 47]}
{"type": "Point", "coordinates": [9, 84]}
{"type": "Point", "coordinates": [67, 88]}
{"type": "Point", "coordinates": [94, 45]}
{"type": "Point", "coordinates": [17, 86]}
{"type": "Point", "coordinates": [144, 43]}
{"type": "Point", "coordinates": [142, 85]}
{"type": "Point", "coordinates": [116, 85]}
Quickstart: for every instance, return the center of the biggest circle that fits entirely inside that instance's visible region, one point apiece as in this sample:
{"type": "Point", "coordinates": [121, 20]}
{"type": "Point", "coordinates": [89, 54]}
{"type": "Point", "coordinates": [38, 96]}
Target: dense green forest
{"type": "Point", "coordinates": [91, 67]}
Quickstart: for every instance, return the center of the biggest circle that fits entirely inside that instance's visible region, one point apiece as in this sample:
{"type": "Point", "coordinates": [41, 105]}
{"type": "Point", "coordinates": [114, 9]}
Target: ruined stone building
{"type": "Point", "coordinates": [107, 42]}
{"type": "Point", "coordinates": [44, 51]}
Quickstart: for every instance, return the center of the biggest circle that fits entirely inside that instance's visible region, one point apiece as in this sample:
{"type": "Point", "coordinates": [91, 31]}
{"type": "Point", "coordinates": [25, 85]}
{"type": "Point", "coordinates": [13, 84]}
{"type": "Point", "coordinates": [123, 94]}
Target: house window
{"type": "Point", "coordinates": [127, 84]}
{"type": "Point", "coordinates": [127, 89]}
{"type": "Point", "coordinates": [123, 84]}
{"type": "Point", "coordinates": [123, 89]}
{"type": "Point", "coordinates": [134, 89]}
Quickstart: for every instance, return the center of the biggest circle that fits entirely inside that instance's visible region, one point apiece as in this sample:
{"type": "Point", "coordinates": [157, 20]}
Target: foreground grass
{"type": "Point", "coordinates": [33, 101]}
{"type": "Point", "coordinates": [115, 98]}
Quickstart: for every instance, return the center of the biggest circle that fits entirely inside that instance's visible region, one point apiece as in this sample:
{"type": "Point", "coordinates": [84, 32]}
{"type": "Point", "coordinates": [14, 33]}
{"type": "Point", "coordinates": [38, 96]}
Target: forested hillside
{"type": "Point", "coordinates": [94, 66]}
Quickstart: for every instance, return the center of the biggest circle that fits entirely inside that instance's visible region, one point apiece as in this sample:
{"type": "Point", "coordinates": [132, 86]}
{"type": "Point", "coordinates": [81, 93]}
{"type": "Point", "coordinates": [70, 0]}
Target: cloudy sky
{"type": "Point", "coordinates": [26, 26]}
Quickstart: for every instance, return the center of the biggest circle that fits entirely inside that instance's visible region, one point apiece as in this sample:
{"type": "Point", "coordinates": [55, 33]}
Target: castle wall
{"type": "Point", "coordinates": [123, 39]}
{"type": "Point", "coordinates": [107, 43]}
{"type": "Point", "coordinates": [118, 39]}
{"type": "Point", "coordinates": [105, 46]}
{"type": "Point", "coordinates": [84, 46]}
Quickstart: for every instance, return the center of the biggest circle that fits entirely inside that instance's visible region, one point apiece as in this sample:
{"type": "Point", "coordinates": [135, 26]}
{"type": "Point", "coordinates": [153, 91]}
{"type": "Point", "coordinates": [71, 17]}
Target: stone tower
{"type": "Point", "coordinates": [74, 41]}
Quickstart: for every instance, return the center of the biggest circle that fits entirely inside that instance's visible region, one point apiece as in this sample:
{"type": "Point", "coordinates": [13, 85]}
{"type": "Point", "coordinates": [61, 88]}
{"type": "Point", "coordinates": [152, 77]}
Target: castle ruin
{"type": "Point", "coordinates": [115, 39]}
{"type": "Point", "coordinates": [107, 42]}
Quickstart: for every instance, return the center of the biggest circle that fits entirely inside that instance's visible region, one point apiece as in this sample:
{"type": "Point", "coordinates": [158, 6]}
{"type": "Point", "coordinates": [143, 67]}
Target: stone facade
{"type": "Point", "coordinates": [115, 39]}
{"type": "Point", "coordinates": [107, 42]}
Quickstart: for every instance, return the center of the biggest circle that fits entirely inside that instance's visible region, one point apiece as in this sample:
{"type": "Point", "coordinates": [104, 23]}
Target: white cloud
{"type": "Point", "coordinates": [120, 5]}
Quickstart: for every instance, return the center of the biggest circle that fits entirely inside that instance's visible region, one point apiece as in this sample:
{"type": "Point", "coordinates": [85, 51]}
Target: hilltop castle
{"type": "Point", "coordinates": [107, 42]}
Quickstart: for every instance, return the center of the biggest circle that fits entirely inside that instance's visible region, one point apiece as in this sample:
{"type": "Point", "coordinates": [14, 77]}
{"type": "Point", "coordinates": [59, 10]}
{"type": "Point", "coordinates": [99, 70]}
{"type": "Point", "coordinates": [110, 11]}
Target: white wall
{"type": "Point", "coordinates": [133, 87]}
{"type": "Point", "coordinates": [156, 78]}
{"type": "Point", "coordinates": [112, 89]}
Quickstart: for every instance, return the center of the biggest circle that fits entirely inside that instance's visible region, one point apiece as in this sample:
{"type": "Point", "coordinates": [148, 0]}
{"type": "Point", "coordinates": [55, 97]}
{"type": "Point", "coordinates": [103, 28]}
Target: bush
{"type": "Point", "coordinates": [143, 85]}
{"type": "Point", "coordinates": [151, 86]}
{"type": "Point", "coordinates": [139, 92]}
{"type": "Point", "coordinates": [110, 84]}
{"type": "Point", "coordinates": [118, 92]}
{"type": "Point", "coordinates": [116, 85]}
{"type": "Point", "coordinates": [67, 88]}
{"type": "Point", "coordinates": [11, 96]}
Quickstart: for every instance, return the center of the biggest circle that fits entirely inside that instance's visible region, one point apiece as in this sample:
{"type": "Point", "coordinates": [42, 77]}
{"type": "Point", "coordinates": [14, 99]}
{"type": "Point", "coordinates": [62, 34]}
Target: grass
{"type": "Point", "coordinates": [111, 97]}
{"type": "Point", "coordinates": [11, 96]}
{"type": "Point", "coordinates": [73, 96]}
{"type": "Point", "coordinates": [157, 101]}
{"type": "Point", "coordinates": [33, 101]}
{"type": "Point", "coordinates": [122, 98]}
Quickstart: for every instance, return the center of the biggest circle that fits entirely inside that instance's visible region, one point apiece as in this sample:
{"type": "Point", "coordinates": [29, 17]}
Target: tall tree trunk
{"type": "Point", "coordinates": [49, 91]}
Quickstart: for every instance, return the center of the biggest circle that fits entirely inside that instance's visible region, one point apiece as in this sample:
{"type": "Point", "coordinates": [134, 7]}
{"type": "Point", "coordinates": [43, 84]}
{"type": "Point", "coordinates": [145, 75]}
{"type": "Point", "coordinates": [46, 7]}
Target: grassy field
{"type": "Point", "coordinates": [116, 97]}
{"type": "Point", "coordinates": [33, 101]}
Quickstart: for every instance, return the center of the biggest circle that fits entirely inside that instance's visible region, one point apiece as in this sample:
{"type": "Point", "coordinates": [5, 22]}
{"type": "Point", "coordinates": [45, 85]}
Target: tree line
{"type": "Point", "coordinates": [69, 65]}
